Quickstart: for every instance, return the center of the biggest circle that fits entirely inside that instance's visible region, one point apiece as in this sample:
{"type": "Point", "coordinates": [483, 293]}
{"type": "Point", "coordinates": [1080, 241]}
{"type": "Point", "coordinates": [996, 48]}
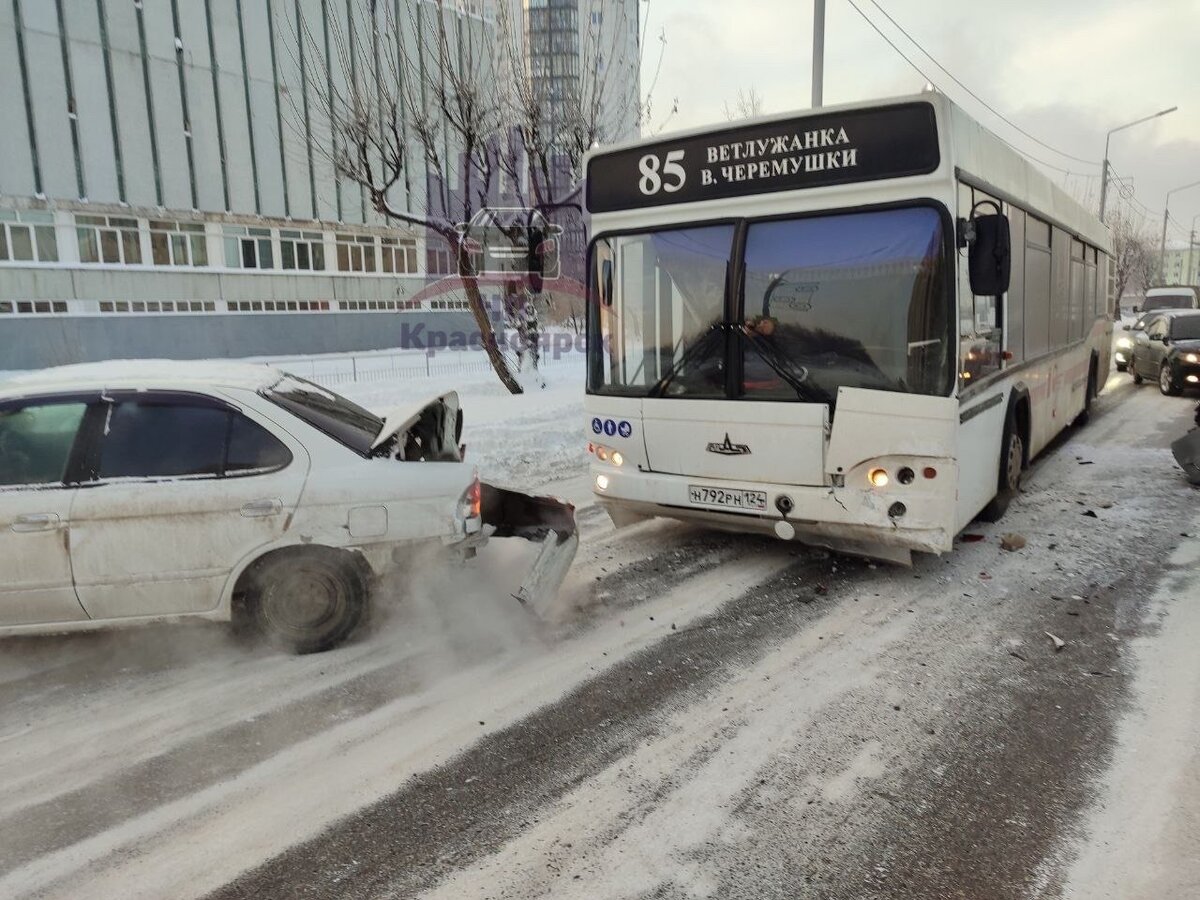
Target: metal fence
{"type": "Point", "coordinates": [364, 368]}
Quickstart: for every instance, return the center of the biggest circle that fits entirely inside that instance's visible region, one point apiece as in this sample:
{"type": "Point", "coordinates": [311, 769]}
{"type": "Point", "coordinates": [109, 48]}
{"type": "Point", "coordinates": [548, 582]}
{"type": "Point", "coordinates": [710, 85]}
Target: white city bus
{"type": "Point", "coordinates": [852, 327]}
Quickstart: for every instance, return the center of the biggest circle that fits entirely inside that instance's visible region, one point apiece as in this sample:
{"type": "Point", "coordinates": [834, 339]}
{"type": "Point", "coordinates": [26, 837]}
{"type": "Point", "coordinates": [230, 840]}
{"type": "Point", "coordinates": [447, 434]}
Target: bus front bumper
{"type": "Point", "coordinates": [882, 524]}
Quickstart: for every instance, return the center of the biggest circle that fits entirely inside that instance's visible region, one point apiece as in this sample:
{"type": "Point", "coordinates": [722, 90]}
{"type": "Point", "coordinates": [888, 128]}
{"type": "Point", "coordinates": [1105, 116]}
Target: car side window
{"type": "Point", "coordinates": [174, 436]}
{"type": "Point", "coordinates": [36, 441]}
{"type": "Point", "coordinates": [153, 439]}
{"type": "Point", "coordinates": [253, 449]}
{"type": "Point", "coordinates": [1155, 329]}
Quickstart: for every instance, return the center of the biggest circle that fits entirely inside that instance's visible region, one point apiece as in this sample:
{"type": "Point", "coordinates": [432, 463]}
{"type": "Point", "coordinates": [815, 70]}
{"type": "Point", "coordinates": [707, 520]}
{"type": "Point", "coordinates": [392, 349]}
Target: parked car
{"type": "Point", "coordinates": [144, 491]}
{"type": "Point", "coordinates": [1168, 349]}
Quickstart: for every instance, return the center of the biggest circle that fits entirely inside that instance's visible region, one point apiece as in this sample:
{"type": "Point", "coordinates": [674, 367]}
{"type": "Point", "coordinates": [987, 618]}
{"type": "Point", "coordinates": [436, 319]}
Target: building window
{"type": "Point", "coordinates": [303, 250]}
{"type": "Point", "coordinates": [398, 257]}
{"type": "Point", "coordinates": [355, 254]}
{"type": "Point", "coordinates": [248, 248]}
{"type": "Point", "coordinates": [178, 244]}
{"type": "Point", "coordinates": [108, 239]}
{"type": "Point", "coordinates": [27, 237]}
{"type": "Point", "coordinates": [437, 262]}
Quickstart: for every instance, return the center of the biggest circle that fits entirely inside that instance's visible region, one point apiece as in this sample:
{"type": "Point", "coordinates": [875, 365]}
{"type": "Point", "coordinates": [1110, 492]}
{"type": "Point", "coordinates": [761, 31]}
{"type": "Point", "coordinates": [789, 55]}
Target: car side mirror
{"type": "Point", "coordinates": [1127, 328]}
{"type": "Point", "coordinates": [989, 258]}
{"type": "Point", "coordinates": [1137, 309]}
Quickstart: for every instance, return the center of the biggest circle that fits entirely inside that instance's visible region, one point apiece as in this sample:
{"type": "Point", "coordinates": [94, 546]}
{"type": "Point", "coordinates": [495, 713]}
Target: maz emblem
{"type": "Point", "coordinates": [728, 448]}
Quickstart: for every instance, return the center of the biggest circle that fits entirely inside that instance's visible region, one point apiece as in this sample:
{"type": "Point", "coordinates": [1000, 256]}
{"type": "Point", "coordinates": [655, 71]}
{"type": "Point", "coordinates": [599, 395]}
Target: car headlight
{"type": "Point", "coordinates": [1192, 358]}
{"type": "Point", "coordinates": [1124, 342]}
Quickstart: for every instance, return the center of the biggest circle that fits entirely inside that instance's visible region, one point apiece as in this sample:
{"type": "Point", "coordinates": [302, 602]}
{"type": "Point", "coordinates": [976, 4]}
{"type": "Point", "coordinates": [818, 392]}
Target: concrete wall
{"type": "Point", "coordinates": [35, 342]}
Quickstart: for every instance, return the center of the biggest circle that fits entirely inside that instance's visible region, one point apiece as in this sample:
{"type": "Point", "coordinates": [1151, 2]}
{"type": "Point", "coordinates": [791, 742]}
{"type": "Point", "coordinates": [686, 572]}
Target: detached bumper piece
{"type": "Point", "coordinates": [1187, 454]}
{"type": "Point", "coordinates": [543, 520]}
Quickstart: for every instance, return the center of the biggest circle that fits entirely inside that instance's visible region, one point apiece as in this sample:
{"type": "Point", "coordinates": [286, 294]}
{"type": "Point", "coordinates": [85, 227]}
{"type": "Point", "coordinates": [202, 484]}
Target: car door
{"type": "Point", "coordinates": [186, 486]}
{"type": "Point", "coordinates": [1141, 345]}
{"type": "Point", "coordinates": [1155, 348]}
{"type": "Point", "coordinates": [37, 441]}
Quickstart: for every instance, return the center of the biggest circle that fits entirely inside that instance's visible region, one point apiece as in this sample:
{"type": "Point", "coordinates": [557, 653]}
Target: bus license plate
{"type": "Point", "coordinates": [731, 498]}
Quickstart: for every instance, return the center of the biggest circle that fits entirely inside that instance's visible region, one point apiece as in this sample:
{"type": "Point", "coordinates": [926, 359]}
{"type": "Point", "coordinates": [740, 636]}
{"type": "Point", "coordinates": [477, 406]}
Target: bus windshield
{"type": "Point", "coordinates": [849, 299]}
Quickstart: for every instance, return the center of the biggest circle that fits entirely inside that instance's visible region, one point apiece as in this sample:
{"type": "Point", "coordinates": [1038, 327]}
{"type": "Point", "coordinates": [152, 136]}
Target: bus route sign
{"type": "Point", "coordinates": [784, 155]}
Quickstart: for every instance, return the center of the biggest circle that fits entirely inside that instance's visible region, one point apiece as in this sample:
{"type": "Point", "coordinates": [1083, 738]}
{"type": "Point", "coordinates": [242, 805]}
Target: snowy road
{"type": "Point", "coordinates": [700, 716]}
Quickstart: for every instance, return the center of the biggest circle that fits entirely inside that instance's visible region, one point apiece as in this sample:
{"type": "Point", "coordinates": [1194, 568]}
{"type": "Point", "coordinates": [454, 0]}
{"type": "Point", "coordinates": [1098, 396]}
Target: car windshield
{"type": "Point", "coordinates": [344, 421]}
{"type": "Point", "coordinates": [1168, 301]}
{"type": "Point", "coordinates": [855, 300]}
{"type": "Point", "coordinates": [1186, 328]}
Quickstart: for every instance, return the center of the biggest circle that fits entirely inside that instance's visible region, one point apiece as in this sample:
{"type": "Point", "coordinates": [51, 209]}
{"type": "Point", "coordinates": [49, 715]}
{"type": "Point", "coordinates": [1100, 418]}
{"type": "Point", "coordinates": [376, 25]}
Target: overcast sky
{"type": "Point", "coordinates": [1064, 70]}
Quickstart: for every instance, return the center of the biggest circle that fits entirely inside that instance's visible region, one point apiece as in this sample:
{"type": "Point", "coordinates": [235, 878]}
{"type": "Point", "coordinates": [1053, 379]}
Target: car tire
{"type": "Point", "coordinates": [1012, 462]}
{"type": "Point", "coordinates": [1137, 378]}
{"type": "Point", "coordinates": [1167, 382]}
{"type": "Point", "coordinates": [309, 600]}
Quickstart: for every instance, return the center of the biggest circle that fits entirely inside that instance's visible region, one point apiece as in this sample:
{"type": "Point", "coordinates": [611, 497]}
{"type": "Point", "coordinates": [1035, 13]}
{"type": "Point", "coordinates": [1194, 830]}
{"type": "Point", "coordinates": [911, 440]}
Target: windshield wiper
{"type": "Point", "coordinates": [794, 376]}
{"type": "Point", "coordinates": [690, 355]}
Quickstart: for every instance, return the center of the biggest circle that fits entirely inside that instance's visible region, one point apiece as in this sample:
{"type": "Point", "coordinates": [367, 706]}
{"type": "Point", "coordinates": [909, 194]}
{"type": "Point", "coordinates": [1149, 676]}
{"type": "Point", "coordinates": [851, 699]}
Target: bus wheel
{"type": "Point", "coordinates": [1012, 461]}
{"type": "Point", "coordinates": [1085, 414]}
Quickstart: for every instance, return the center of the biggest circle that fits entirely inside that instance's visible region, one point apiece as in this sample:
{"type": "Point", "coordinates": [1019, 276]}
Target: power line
{"type": "Point", "coordinates": [986, 105]}
{"type": "Point", "coordinates": [924, 75]}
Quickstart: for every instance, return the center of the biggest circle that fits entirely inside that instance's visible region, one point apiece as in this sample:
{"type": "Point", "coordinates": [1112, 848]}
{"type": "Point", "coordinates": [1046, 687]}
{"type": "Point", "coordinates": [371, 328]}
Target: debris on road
{"type": "Point", "coordinates": [1059, 643]}
{"type": "Point", "coordinates": [1012, 542]}
{"type": "Point", "coordinates": [969, 538]}
{"type": "Point", "coordinates": [1090, 513]}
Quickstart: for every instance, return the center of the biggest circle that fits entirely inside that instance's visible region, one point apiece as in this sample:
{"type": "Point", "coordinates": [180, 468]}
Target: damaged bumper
{"type": "Point", "coordinates": [543, 520]}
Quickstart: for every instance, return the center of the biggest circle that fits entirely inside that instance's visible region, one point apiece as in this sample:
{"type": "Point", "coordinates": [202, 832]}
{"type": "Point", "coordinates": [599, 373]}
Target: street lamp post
{"type": "Point", "coordinates": [818, 70]}
{"type": "Point", "coordinates": [1191, 244]}
{"type": "Point", "coordinates": [1162, 250]}
{"type": "Point", "coordinates": [1104, 165]}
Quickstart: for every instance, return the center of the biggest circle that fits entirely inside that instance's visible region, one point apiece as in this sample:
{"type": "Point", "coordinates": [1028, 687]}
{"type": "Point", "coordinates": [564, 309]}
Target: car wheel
{"type": "Point", "coordinates": [1166, 381]}
{"type": "Point", "coordinates": [1137, 378]}
{"type": "Point", "coordinates": [1012, 462]}
{"type": "Point", "coordinates": [309, 600]}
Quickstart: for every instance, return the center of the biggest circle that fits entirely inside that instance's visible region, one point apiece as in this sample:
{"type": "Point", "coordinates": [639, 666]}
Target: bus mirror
{"type": "Point", "coordinates": [606, 282]}
{"type": "Point", "coordinates": [989, 257]}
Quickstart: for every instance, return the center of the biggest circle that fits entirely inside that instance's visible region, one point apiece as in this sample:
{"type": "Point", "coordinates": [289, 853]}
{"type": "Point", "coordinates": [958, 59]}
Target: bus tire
{"type": "Point", "coordinates": [1085, 414]}
{"type": "Point", "coordinates": [1012, 462]}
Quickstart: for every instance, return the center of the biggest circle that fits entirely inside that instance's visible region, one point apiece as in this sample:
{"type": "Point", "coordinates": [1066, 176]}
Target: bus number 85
{"type": "Point", "coordinates": [653, 179]}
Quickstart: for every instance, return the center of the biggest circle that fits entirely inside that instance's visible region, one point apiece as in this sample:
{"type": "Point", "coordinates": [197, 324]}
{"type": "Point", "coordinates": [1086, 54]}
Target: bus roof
{"type": "Point", "coordinates": [963, 145]}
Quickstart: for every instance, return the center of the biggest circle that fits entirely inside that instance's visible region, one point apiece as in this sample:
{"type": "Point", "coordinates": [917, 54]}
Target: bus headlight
{"type": "Point", "coordinates": [617, 459]}
{"type": "Point", "coordinates": [602, 482]}
{"type": "Point", "coordinates": [878, 478]}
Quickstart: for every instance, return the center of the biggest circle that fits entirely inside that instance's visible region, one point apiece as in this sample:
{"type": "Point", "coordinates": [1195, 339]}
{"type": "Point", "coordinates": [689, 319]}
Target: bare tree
{"type": "Point", "coordinates": [386, 91]}
{"type": "Point", "coordinates": [438, 119]}
{"type": "Point", "coordinates": [747, 105]}
{"type": "Point", "coordinates": [1134, 255]}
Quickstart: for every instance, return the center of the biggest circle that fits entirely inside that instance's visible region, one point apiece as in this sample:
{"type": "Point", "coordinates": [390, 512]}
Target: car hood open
{"type": "Point", "coordinates": [402, 418]}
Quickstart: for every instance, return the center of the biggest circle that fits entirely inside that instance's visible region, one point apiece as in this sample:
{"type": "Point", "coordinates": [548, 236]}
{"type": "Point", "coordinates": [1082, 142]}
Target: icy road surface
{"type": "Point", "coordinates": [698, 717]}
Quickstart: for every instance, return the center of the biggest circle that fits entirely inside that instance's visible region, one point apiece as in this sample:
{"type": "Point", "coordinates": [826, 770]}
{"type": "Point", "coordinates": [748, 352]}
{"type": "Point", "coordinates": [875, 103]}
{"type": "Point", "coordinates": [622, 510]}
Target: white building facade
{"type": "Point", "coordinates": [166, 185]}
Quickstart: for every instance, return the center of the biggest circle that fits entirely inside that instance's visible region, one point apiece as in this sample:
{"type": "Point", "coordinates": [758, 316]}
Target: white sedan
{"type": "Point", "coordinates": [143, 491]}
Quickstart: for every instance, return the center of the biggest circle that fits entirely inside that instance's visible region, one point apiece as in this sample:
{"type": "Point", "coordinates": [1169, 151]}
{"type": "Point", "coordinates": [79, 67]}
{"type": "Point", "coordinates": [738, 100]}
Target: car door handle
{"type": "Point", "coordinates": [36, 522]}
{"type": "Point", "coordinates": [257, 508]}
